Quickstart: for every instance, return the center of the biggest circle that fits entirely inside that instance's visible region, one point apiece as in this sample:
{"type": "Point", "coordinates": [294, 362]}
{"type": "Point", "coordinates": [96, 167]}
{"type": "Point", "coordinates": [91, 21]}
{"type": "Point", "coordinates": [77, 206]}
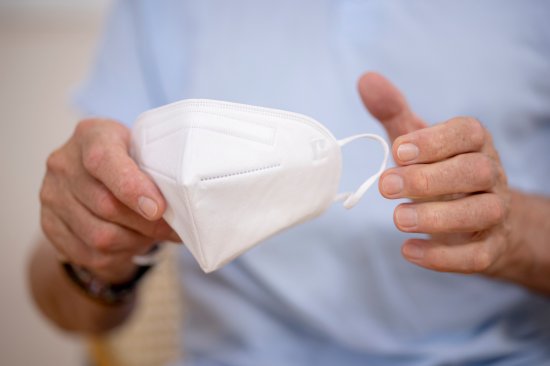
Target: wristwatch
{"type": "Point", "coordinates": [104, 292]}
{"type": "Point", "coordinates": [101, 291]}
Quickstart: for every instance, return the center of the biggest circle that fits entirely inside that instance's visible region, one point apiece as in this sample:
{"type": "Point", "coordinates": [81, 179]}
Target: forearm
{"type": "Point", "coordinates": [529, 238]}
{"type": "Point", "coordinates": [63, 302]}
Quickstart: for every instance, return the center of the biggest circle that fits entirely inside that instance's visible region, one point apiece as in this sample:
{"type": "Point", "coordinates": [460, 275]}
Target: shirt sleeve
{"type": "Point", "coordinates": [115, 86]}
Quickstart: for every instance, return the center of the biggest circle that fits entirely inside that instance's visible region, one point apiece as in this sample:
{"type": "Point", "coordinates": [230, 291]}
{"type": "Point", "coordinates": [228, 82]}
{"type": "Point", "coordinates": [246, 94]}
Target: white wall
{"type": "Point", "coordinates": [45, 48]}
{"type": "Point", "coordinates": [53, 6]}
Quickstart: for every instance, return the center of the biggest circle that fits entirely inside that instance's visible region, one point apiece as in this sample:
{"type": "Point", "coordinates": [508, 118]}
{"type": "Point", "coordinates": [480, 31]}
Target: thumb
{"type": "Point", "coordinates": [386, 103]}
{"type": "Point", "coordinates": [105, 156]}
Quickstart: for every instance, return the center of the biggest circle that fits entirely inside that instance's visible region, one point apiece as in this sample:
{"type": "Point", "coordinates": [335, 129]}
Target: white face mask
{"type": "Point", "coordinates": [234, 174]}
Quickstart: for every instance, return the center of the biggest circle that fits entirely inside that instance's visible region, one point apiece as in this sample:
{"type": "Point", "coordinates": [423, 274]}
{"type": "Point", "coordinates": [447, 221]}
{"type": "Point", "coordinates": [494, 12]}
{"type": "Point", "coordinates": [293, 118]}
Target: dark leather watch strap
{"type": "Point", "coordinates": [101, 291]}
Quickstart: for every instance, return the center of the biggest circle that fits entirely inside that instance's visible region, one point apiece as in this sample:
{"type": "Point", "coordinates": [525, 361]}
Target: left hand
{"type": "Point", "coordinates": [453, 174]}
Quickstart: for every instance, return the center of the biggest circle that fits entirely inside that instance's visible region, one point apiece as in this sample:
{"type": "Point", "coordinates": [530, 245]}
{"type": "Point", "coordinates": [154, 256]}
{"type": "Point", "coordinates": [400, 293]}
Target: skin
{"type": "Point", "coordinates": [99, 209]}
{"type": "Point", "coordinates": [460, 196]}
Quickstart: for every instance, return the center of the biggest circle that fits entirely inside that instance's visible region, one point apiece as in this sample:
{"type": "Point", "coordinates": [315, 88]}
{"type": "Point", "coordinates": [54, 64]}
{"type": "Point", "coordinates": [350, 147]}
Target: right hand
{"type": "Point", "coordinates": [98, 209]}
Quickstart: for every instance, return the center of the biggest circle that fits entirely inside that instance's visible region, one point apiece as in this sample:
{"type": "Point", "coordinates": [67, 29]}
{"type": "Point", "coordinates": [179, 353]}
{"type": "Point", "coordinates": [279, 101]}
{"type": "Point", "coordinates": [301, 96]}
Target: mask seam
{"type": "Point", "coordinates": [158, 172]}
{"type": "Point", "coordinates": [145, 137]}
{"type": "Point", "coordinates": [187, 202]}
{"type": "Point", "coordinates": [164, 134]}
{"type": "Point", "coordinates": [229, 132]}
{"type": "Point", "coordinates": [217, 114]}
{"type": "Point", "coordinates": [224, 131]}
{"type": "Point", "coordinates": [272, 113]}
{"type": "Point", "coordinates": [188, 106]}
{"type": "Point", "coordinates": [244, 172]}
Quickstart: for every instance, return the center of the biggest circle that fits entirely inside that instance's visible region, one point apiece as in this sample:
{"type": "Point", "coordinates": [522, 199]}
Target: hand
{"type": "Point", "coordinates": [453, 174]}
{"type": "Point", "coordinates": [98, 208]}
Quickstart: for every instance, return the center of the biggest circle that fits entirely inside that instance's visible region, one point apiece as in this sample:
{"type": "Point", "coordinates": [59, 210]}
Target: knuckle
{"type": "Point", "coordinates": [94, 157]}
{"type": "Point", "coordinates": [46, 196]}
{"type": "Point", "coordinates": [84, 126]}
{"type": "Point", "coordinates": [421, 182]}
{"type": "Point", "coordinates": [435, 221]}
{"type": "Point", "coordinates": [49, 192]}
{"type": "Point", "coordinates": [47, 224]}
{"type": "Point", "coordinates": [481, 261]}
{"type": "Point", "coordinates": [107, 205]}
{"type": "Point", "coordinates": [476, 131]}
{"type": "Point", "coordinates": [56, 161]}
{"type": "Point", "coordinates": [485, 171]}
{"type": "Point", "coordinates": [496, 210]}
{"type": "Point", "coordinates": [103, 239]}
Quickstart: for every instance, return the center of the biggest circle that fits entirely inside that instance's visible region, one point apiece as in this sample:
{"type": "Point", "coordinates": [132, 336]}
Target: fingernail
{"type": "Point", "coordinates": [148, 207]}
{"type": "Point", "coordinates": [413, 251]}
{"type": "Point", "coordinates": [406, 217]}
{"type": "Point", "coordinates": [392, 184]}
{"type": "Point", "coordinates": [407, 152]}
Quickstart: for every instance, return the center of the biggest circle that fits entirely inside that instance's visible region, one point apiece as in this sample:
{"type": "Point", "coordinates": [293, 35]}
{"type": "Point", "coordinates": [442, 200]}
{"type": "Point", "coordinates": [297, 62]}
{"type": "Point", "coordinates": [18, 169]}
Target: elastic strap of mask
{"type": "Point", "coordinates": [351, 198]}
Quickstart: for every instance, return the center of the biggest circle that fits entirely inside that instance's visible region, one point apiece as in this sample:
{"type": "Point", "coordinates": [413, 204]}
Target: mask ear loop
{"type": "Point", "coordinates": [351, 198]}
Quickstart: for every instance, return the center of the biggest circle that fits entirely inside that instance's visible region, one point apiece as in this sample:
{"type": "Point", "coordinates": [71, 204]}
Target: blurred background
{"type": "Point", "coordinates": [45, 47]}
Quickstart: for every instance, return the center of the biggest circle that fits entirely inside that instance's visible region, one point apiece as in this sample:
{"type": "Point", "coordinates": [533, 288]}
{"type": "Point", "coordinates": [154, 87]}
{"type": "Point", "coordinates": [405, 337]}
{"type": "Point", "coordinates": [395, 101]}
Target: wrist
{"type": "Point", "coordinates": [112, 286]}
{"type": "Point", "coordinates": [526, 259]}
{"type": "Point", "coordinates": [99, 289]}
{"type": "Point", "coordinates": [515, 257]}
{"type": "Point", "coordinates": [121, 273]}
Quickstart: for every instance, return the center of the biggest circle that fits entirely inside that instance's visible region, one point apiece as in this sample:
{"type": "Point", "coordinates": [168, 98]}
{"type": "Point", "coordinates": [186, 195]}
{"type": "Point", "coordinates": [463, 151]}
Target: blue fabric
{"type": "Point", "coordinates": [336, 291]}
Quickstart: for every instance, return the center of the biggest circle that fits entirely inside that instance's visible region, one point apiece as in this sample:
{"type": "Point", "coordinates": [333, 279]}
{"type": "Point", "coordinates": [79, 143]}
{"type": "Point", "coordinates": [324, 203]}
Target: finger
{"type": "Point", "coordinates": [456, 136]}
{"type": "Point", "coordinates": [387, 104]}
{"type": "Point", "coordinates": [465, 173]}
{"type": "Point", "coordinates": [101, 236]}
{"type": "Point", "coordinates": [105, 156]}
{"type": "Point", "coordinates": [471, 257]}
{"type": "Point", "coordinates": [111, 265]}
{"type": "Point", "coordinates": [64, 241]}
{"type": "Point", "coordinates": [469, 214]}
{"type": "Point", "coordinates": [102, 203]}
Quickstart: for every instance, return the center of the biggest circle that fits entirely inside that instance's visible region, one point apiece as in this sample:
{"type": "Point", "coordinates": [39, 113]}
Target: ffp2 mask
{"type": "Point", "coordinates": [235, 174]}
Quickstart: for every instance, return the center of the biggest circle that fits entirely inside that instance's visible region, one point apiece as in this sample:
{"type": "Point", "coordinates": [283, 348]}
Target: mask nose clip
{"type": "Point", "coordinates": [352, 198]}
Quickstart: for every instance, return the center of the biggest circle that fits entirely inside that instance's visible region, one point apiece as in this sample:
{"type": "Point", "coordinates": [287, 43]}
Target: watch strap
{"type": "Point", "coordinates": [101, 291]}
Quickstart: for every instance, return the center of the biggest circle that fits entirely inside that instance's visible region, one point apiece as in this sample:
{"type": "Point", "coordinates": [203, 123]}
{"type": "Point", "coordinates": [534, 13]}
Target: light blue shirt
{"type": "Point", "coordinates": [336, 291]}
